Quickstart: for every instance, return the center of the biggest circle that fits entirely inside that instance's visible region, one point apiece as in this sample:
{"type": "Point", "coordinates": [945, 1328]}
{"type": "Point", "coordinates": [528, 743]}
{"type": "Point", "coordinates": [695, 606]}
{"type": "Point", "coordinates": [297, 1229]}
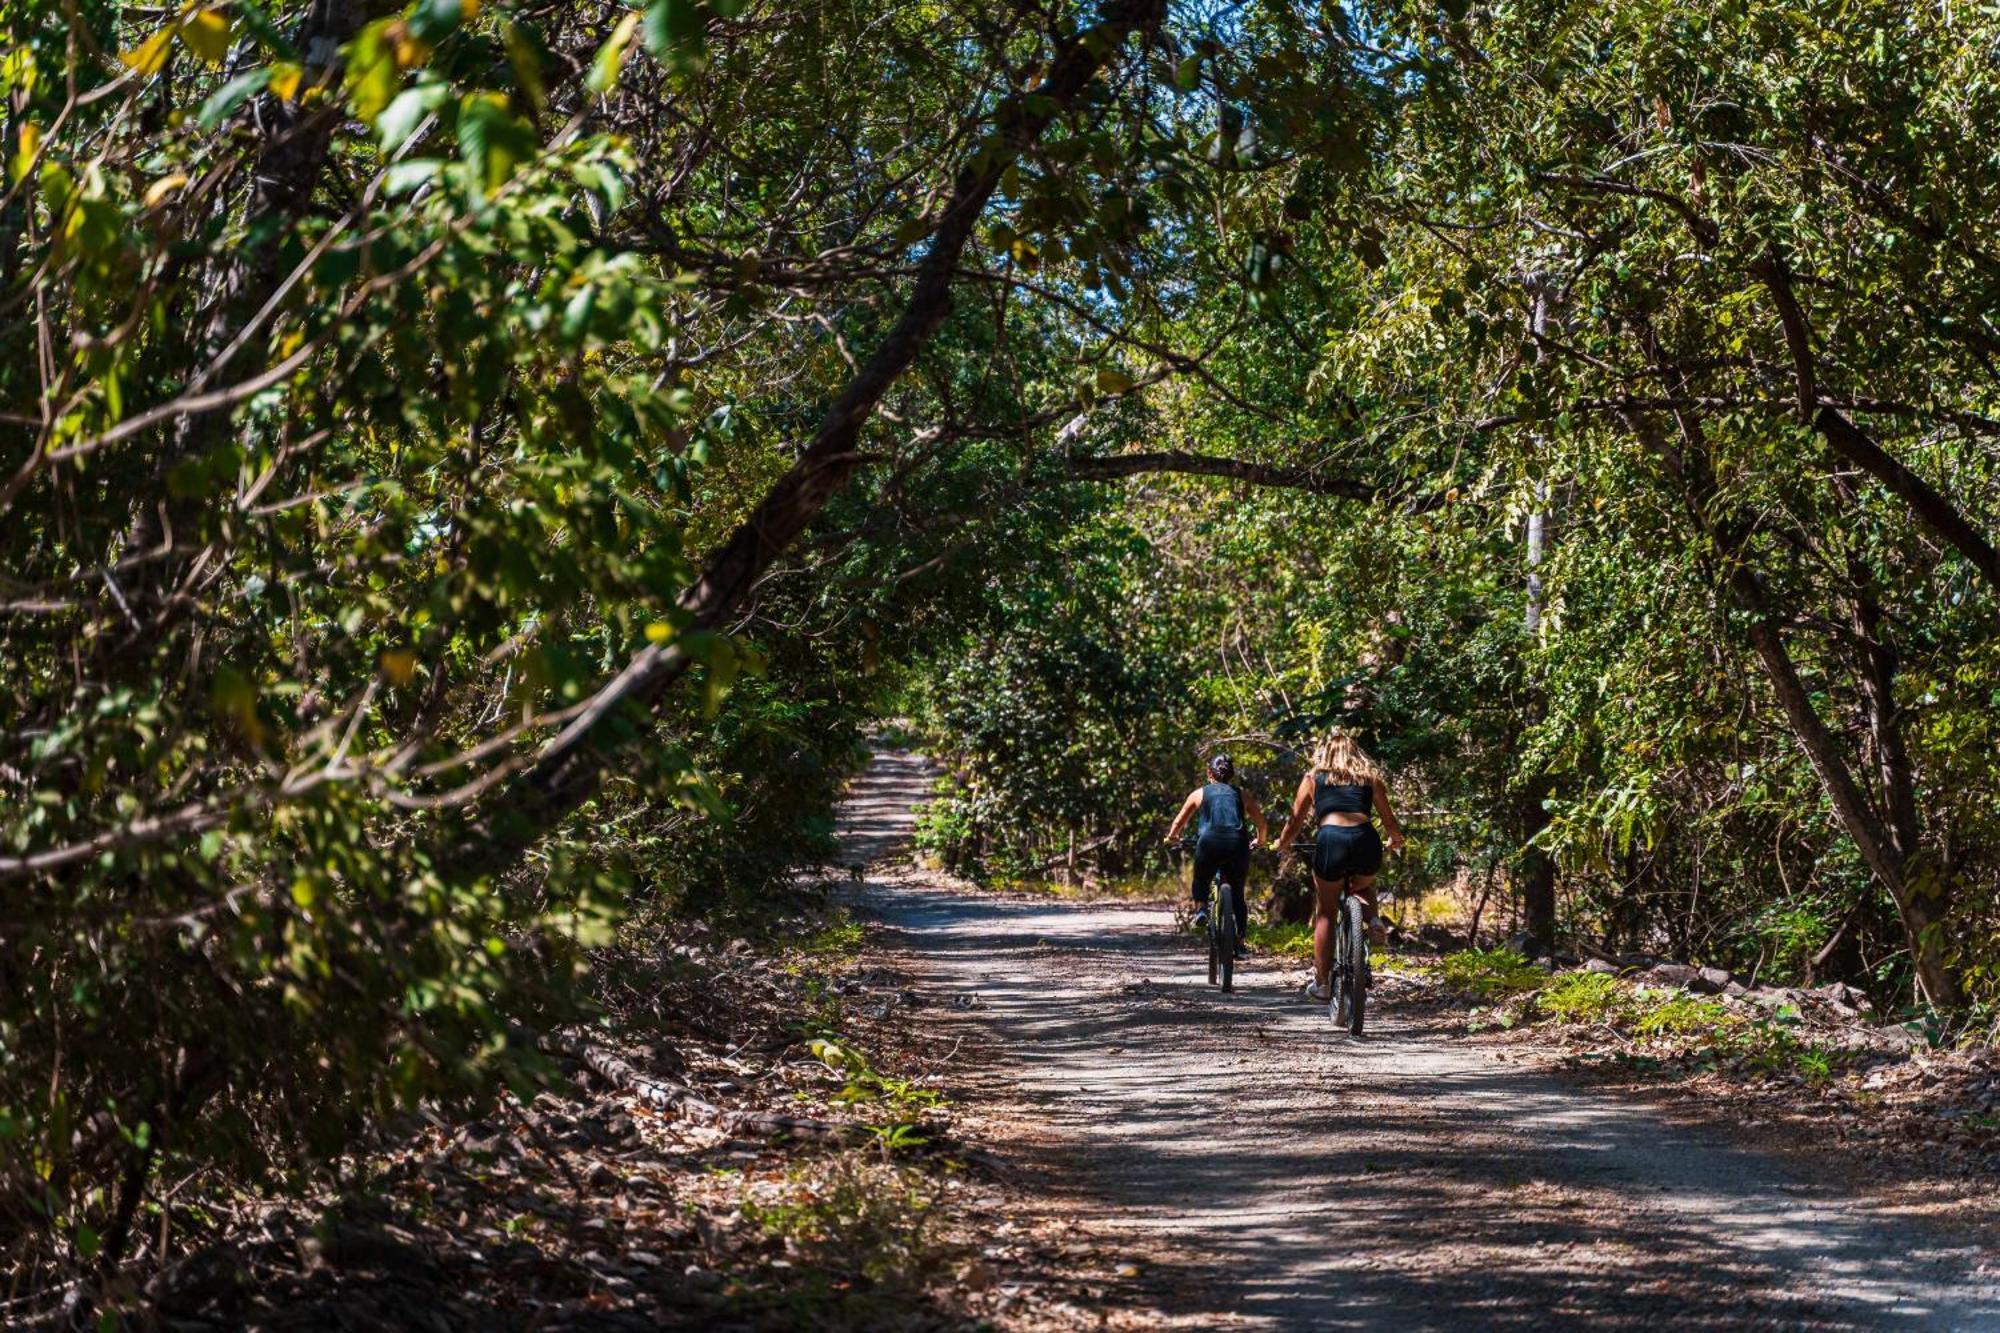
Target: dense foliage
{"type": "Point", "coordinates": [474, 467]}
{"type": "Point", "coordinates": [1698, 294]}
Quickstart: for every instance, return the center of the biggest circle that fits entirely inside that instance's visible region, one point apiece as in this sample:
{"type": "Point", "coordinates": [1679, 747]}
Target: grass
{"type": "Point", "coordinates": [1773, 1048]}
{"type": "Point", "coordinates": [902, 1100]}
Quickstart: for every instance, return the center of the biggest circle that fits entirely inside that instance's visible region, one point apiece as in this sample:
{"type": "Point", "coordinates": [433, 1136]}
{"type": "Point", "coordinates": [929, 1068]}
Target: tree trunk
{"type": "Point", "coordinates": [1538, 874]}
{"type": "Point", "coordinates": [1537, 868]}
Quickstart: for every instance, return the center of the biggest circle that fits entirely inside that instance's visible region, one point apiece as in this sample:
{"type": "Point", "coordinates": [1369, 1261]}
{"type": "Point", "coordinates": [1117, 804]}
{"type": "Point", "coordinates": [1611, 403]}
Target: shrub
{"type": "Point", "coordinates": [1491, 973]}
{"type": "Point", "coordinates": [1583, 997]}
{"type": "Point", "coordinates": [1685, 1014]}
{"type": "Point", "coordinates": [1283, 941]}
{"type": "Point", "coordinates": [944, 833]}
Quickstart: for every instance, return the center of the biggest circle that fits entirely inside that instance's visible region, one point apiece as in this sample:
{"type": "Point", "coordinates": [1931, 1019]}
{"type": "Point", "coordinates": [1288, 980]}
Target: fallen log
{"type": "Point", "coordinates": [681, 1100]}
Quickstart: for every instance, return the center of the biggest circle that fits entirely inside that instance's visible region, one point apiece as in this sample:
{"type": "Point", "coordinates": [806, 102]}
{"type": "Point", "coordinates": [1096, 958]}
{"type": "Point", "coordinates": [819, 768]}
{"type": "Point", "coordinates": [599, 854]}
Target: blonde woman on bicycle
{"type": "Point", "coordinates": [1340, 796]}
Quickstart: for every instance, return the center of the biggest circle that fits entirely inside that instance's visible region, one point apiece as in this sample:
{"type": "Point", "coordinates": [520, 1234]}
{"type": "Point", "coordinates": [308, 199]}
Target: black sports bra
{"type": "Point", "coordinates": [1341, 798]}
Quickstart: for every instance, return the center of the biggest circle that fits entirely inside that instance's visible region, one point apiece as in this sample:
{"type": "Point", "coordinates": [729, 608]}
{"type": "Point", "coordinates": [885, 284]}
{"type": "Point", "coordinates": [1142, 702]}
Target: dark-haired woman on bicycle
{"type": "Point", "coordinates": [1222, 838]}
{"type": "Point", "coordinates": [1340, 795]}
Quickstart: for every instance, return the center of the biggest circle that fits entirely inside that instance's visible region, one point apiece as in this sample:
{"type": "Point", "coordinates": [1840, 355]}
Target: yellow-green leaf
{"type": "Point", "coordinates": [163, 187]}
{"type": "Point", "coordinates": [149, 56]}
{"type": "Point", "coordinates": [399, 665]}
{"type": "Point", "coordinates": [206, 32]}
{"type": "Point", "coordinates": [526, 62]}
{"type": "Point", "coordinates": [372, 75]}
{"type": "Point", "coordinates": [285, 80]}
{"type": "Point", "coordinates": [29, 143]}
{"type": "Point", "coordinates": [610, 59]}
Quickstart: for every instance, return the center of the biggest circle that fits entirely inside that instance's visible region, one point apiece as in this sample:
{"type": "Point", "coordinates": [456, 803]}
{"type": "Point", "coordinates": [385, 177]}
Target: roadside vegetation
{"type": "Point", "coordinates": [472, 473]}
{"type": "Point", "coordinates": [1508, 990]}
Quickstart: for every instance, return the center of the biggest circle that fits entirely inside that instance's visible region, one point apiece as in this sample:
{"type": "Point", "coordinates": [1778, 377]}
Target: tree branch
{"type": "Point", "coordinates": [1856, 446]}
{"type": "Point", "coordinates": [1117, 467]}
{"type": "Point", "coordinates": [570, 767]}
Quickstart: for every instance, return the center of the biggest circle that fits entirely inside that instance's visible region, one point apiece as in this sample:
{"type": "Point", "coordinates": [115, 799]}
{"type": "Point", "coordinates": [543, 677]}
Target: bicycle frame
{"type": "Point", "coordinates": [1221, 930]}
{"type": "Point", "coordinates": [1349, 972]}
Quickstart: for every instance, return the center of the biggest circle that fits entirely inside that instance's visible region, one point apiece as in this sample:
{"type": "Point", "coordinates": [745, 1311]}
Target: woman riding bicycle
{"type": "Point", "coordinates": [1338, 795]}
{"type": "Point", "coordinates": [1222, 842]}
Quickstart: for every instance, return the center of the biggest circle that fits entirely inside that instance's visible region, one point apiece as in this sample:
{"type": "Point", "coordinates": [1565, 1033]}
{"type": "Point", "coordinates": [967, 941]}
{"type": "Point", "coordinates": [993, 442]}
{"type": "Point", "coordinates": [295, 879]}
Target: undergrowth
{"type": "Point", "coordinates": [1288, 940]}
{"type": "Point", "coordinates": [1490, 974]}
{"type": "Point", "coordinates": [1706, 1032]}
{"type": "Point", "coordinates": [853, 1216]}
{"type": "Point", "coordinates": [1582, 997]}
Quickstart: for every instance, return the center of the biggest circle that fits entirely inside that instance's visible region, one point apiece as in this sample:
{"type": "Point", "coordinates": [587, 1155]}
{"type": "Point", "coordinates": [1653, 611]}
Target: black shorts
{"type": "Point", "coordinates": [1340, 850]}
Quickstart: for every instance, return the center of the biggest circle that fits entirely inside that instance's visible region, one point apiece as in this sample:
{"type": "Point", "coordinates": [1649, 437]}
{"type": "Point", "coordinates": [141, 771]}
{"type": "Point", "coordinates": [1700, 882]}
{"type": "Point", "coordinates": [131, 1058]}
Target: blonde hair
{"type": "Point", "coordinates": [1341, 756]}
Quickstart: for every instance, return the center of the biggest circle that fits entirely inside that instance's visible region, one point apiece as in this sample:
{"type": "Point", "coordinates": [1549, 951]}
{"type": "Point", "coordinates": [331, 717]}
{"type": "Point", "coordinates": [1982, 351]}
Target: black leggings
{"type": "Point", "coordinates": [1232, 858]}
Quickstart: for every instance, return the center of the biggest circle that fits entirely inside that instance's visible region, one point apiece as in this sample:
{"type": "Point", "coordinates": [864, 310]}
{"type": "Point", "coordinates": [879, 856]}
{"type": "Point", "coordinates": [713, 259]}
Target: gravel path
{"type": "Point", "coordinates": [1405, 1181]}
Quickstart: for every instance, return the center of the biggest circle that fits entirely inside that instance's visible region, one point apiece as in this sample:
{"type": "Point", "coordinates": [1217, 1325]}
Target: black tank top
{"type": "Point", "coordinates": [1341, 798]}
{"type": "Point", "coordinates": [1221, 811]}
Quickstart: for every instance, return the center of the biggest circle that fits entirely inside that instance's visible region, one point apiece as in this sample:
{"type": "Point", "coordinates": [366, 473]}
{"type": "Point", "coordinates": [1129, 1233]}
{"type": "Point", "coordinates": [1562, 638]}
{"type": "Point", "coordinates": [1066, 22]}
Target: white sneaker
{"type": "Point", "coordinates": [1313, 991]}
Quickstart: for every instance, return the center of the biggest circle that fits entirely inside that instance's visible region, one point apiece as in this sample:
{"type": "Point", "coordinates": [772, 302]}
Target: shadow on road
{"type": "Point", "coordinates": [1401, 1182]}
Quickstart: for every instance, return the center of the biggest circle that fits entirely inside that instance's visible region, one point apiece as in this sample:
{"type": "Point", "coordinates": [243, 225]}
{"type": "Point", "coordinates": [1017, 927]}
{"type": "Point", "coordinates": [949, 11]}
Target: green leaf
{"type": "Point", "coordinates": [224, 101]}
{"type": "Point", "coordinates": [405, 177]}
{"type": "Point", "coordinates": [372, 77]}
{"type": "Point", "coordinates": [492, 140]}
{"type": "Point", "coordinates": [399, 120]}
{"type": "Point", "coordinates": [433, 20]}
{"type": "Point", "coordinates": [576, 314]}
{"type": "Point", "coordinates": [676, 34]}
{"type": "Point", "coordinates": [524, 56]}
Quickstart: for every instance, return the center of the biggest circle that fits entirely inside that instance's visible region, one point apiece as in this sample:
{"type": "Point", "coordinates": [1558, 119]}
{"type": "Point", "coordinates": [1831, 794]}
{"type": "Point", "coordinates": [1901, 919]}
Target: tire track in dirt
{"type": "Point", "coordinates": [1405, 1181]}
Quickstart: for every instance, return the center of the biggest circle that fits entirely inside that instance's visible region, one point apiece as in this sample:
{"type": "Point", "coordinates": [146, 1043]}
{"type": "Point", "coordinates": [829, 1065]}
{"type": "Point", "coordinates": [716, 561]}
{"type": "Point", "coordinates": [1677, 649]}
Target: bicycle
{"type": "Point", "coordinates": [1221, 930]}
{"type": "Point", "coordinates": [1347, 979]}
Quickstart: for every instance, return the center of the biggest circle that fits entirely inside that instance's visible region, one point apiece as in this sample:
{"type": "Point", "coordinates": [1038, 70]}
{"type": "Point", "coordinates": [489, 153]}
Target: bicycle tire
{"type": "Point", "coordinates": [1214, 954]}
{"type": "Point", "coordinates": [1225, 933]}
{"type": "Point", "coordinates": [1336, 980]}
{"type": "Point", "coordinates": [1357, 963]}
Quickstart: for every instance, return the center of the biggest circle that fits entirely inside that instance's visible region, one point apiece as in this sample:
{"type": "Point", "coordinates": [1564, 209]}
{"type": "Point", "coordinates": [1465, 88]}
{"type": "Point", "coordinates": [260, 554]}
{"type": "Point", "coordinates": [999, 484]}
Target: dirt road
{"type": "Point", "coordinates": [1406, 1181]}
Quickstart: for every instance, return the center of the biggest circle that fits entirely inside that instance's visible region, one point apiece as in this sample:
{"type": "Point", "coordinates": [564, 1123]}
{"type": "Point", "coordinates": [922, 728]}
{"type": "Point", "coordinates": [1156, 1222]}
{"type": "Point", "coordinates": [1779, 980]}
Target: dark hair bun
{"type": "Point", "coordinates": [1222, 768]}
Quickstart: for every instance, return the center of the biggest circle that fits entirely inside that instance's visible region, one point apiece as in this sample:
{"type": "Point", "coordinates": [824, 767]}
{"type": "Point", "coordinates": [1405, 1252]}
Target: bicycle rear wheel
{"type": "Point", "coordinates": [1354, 919]}
{"type": "Point", "coordinates": [1214, 954]}
{"type": "Point", "coordinates": [1225, 932]}
{"type": "Point", "coordinates": [1336, 988]}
